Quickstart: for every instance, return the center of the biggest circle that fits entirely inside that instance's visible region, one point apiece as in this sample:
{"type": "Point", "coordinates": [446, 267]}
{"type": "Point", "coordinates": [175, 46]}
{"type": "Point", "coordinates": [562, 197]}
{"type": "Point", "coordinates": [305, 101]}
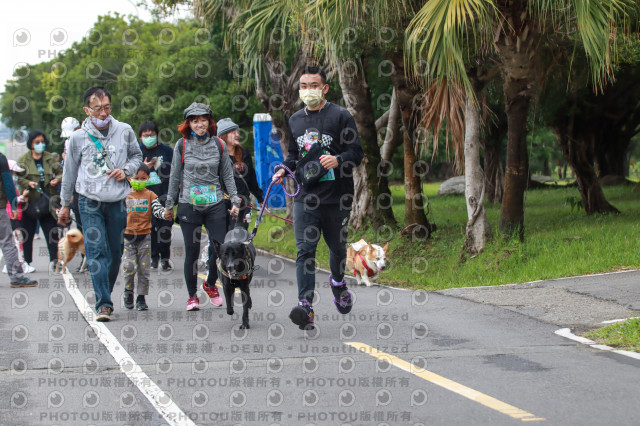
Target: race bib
{"type": "Point", "coordinates": [154, 179]}
{"type": "Point", "coordinates": [329, 176]}
{"type": "Point", "coordinates": [205, 194]}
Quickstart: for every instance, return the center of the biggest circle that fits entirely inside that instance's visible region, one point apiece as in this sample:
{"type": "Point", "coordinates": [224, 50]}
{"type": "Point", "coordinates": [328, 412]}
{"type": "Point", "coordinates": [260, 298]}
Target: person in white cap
{"type": "Point", "coordinates": [68, 126]}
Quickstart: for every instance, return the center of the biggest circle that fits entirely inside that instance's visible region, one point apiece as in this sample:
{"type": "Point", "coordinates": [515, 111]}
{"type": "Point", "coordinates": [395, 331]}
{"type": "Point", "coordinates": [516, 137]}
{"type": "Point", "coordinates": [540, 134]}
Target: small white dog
{"type": "Point", "coordinates": [366, 261]}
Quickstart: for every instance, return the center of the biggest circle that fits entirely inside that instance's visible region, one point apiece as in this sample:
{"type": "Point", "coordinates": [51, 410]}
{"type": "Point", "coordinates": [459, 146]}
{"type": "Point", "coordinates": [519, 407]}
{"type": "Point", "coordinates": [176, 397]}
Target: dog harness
{"type": "Point", "coordinates": [370, 272]}
{"type": "Point", "coordinates": [251, 269]}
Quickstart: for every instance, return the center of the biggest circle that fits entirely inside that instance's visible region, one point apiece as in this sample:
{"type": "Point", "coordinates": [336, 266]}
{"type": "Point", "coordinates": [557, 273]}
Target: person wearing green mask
{"type": "Point", "coordinates": [157, 156]}
{"type": "Point", "coordinates": [142, 205]}
{"type": "Point", "coordinates": [43, 174]}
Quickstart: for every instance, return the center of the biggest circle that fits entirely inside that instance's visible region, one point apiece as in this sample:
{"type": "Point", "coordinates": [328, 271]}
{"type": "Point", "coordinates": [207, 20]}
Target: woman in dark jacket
{"type": "Point", "coordinates": [243, 171]}
{"type": "Point", "coordinates": [43, 174]}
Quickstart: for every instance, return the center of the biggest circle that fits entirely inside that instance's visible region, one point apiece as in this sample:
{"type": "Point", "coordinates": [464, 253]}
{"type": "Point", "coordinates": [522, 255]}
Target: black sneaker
{"type": "Point", "coordinates": [342, 296]}
{"type": "Point", "coordinates": [24, 282]}
{"type": "Point", "coordinates": [154, 264]}
{"type": "Point", "coordinates": [165, 265]}
{"type": "Point", "coordinates": [104, 314]}
{"type": "Point", "coordinates": [302, 315]}
{"type": "Point", "coordinates": [128, 299]}
{"type": "Point", "coordinates": [141, 304]}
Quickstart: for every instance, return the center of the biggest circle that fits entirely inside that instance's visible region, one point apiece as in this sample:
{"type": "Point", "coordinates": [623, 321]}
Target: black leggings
{"type": "Point", "coordinates": [214, 219]}
{"type": "Point", "coordinates": [51, 232]}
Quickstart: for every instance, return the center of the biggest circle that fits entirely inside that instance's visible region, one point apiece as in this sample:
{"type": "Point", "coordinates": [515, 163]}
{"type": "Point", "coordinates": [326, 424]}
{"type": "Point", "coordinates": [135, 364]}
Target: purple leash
{"type": "Point", "coordinates": [290, 175]}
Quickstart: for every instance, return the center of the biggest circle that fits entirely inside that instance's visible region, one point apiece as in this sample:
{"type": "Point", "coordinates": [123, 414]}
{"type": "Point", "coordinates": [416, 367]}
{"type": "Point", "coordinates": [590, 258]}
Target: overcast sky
{"type": "Point", "coordinates": [34, 31]}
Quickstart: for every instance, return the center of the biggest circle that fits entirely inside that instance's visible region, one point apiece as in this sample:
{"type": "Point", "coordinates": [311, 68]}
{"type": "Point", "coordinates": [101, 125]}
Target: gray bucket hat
{"type": "Point", "coordinates": [196, 109]}
{"type": "Point", "coordinates": [226, 125]}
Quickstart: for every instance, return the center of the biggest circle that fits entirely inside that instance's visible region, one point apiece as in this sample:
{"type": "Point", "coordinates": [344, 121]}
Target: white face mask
{"type": "Point", "coordinates": [311, 97]}
{"type": "Point", "coordinates": [101, 123]}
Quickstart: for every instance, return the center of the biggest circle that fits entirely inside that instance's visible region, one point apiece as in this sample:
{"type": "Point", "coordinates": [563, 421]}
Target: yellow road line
{"type": "Point", "coordinates": [462, 390]}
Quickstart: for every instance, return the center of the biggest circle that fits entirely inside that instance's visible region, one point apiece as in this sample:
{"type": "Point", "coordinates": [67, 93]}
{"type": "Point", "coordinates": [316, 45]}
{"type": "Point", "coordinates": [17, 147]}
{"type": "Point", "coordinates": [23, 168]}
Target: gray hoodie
{"type": "Point", "coordinates": [84, 167]}
{"type": "Point", "coordinates": [201, 165]}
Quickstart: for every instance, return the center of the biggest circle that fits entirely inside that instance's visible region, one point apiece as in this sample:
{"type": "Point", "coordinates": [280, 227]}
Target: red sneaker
{"type": "Point", "coordinates": [213, 293]}
{"type": "Point", "coordinates": [193, 304]}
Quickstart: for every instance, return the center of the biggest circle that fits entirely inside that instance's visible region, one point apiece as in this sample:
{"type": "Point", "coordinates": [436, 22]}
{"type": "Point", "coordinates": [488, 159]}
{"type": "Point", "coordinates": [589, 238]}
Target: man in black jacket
{"type": "Point", "coordinates": [324, 207]}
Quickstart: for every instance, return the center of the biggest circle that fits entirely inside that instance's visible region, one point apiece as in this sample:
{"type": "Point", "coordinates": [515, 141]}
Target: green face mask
{"type": "Point", "coordinates": [138, 185]}
{"type": "Point", "coordinates": [149, 141]}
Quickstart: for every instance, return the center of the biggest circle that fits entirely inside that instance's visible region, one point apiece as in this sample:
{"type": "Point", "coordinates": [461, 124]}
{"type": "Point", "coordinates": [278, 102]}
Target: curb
{"type": "Point", "coordinates": [566, 332]}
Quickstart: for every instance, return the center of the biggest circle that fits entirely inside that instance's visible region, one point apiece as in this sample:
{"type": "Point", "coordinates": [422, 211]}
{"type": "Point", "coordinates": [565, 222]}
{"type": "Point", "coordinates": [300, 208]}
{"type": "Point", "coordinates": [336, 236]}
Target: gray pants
{"type": "Point", "coordinates": [137, 257]}
{"type": "Point", "coordinates": [9, 250]}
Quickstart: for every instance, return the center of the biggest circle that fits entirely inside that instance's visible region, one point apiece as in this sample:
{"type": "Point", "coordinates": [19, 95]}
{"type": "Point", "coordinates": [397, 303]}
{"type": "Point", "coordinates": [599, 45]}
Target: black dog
{"type": "Point", "coordinates": [236, 256]}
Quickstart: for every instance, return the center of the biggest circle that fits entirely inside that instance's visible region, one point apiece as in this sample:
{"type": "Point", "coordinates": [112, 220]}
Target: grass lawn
{"type": "Point", "coordinates": [624, 335]}
{"type": "Point", "coordinates": [559, 241]}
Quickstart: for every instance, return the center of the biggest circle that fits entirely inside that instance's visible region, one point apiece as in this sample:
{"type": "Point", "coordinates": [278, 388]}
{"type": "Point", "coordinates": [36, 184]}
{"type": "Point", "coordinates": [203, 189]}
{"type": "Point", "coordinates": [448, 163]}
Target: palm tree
{"type": "Point", "coordinates": [450, 34]}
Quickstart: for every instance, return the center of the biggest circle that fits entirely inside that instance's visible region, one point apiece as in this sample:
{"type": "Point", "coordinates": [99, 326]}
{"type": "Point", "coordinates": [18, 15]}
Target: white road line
{"type": "Point", "coordinates": [617, 320]}
{"type": "Point", "coordinates": [565, 332]}
{"type": "Point", "coordinates": [159, 399]}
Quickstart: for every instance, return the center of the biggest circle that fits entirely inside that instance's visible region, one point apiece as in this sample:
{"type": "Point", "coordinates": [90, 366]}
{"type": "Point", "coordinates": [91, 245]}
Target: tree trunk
{"type": "Point", "coordinates": [376, 210]}
{"type": "Point", "coordinates": [392, 136]}
{"type": "Point", "coordinates": [515, 45]}
{"type": "Point", "coordinates": [580, 157]}
{"type": "Point", "coordinates": [406, 92]}
{"type": "Point", "coordinates": [517, 170]}
{"type": "Point", "coordinates": [478, 230]}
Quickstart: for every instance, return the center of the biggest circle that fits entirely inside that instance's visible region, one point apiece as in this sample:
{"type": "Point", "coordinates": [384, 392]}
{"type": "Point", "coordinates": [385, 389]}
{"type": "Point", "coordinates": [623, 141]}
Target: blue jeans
{"type": "Point", "coordinates": [103, 228]}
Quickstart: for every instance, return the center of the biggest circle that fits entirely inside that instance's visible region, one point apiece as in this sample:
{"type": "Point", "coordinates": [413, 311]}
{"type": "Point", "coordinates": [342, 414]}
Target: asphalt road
{"type": "Point", "coordinates": [400, 358]}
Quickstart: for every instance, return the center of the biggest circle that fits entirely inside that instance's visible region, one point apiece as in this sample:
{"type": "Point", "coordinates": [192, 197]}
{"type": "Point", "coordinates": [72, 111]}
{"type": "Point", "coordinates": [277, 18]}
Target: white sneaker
{"type": "Point", "coordinates": [4, 270]}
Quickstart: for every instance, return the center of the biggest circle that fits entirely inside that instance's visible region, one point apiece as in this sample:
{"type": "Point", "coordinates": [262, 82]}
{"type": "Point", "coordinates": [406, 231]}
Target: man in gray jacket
{"type": "Point", "coordinates": [102, 154]}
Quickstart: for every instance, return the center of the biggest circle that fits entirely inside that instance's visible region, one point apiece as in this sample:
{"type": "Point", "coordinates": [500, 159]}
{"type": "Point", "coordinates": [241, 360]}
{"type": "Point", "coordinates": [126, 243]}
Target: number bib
{"type": "Point", "coordinates": [154, 179]}
{"type": "Point", "coordinates": [205, 194]}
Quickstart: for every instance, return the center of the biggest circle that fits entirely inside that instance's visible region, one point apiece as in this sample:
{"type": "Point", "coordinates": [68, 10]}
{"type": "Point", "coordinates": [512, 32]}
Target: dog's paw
{"type": "Point", "coordinates": [244, 326]}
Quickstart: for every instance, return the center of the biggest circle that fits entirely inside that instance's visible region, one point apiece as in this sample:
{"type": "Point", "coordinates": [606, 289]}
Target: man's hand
{"type": "Point", "coordinates": [150, 164]}
{"type": "Point", "coordinates": [54, 182]}
{"type": "Point", "coordinates": [328, 161]}
{"type": "Point", "coordinates": [63, 216]}
{"type": "Point", "coordinates": [117, 174]}
{"type": "Point", "coordinates": [277, 176]}
{"type": "Point", "coordinates": [32, 184]}
{"type": "Point", "coordinates": [234, 211]}
{"type": "Point", "coordinates": [168, 214]}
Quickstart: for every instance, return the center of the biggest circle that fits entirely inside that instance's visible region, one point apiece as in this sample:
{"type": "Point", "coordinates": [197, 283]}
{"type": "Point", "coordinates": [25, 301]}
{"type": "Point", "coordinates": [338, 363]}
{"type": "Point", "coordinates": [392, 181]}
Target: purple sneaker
{"type": "Point", "coordinates": [342, 296]}
{"type": "Point", "coordinates": [302, 315]}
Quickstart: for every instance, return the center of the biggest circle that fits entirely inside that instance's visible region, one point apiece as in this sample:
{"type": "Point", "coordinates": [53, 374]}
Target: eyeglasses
{"type": "Point", "coordinates": [106, 108]}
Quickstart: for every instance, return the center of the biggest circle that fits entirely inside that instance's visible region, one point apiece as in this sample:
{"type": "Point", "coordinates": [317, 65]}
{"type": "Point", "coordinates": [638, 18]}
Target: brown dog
{"type": "Point", "coordinates": [366, 261]}
{"type": "Point", "coordinates": [68, 246]}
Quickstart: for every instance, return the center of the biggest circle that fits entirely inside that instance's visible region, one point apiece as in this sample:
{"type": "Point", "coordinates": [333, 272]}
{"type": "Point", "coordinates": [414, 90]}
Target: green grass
{"type": "Point", "coordinates": [624, 335]}
{"type": "Point", "coordinates": [559, 241]}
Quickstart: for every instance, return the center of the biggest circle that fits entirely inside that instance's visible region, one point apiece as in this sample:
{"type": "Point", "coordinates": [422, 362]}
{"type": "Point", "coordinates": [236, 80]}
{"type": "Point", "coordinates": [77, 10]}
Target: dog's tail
{"type": "Point", "coordinates": [75, 236]}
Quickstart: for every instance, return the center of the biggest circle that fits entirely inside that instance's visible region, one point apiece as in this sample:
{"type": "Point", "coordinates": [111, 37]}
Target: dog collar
{"type": "Point", "coordinates": [370, 272]}
{"type": "Point", "coordinates": [238, 276]}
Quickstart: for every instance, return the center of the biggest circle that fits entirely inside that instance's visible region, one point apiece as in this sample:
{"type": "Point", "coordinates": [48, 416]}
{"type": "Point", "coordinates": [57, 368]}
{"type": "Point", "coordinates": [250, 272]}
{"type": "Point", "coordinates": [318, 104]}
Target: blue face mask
{"type": "Point", "coordinates": [39, 148]}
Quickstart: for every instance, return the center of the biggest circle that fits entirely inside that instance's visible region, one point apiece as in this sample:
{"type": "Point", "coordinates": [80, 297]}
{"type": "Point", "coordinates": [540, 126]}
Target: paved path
{"type": "Point", "coordinates": [400, 358]}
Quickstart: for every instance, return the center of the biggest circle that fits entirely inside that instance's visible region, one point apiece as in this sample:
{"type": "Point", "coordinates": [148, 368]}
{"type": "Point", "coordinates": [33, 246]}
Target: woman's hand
{"type": "Point", "coordinates": [234, 211]}
{"type": "Point", "coordinates": [168, 214]}
{"type": "Point", "coordinates": [32, 184]}
{"type": "Point", "coordinates": [54, 182]}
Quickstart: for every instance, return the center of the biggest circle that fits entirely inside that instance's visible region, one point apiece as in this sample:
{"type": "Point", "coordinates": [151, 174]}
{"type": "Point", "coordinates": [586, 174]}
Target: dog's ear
{"type": "Point", "coordinates": [384, 249]}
